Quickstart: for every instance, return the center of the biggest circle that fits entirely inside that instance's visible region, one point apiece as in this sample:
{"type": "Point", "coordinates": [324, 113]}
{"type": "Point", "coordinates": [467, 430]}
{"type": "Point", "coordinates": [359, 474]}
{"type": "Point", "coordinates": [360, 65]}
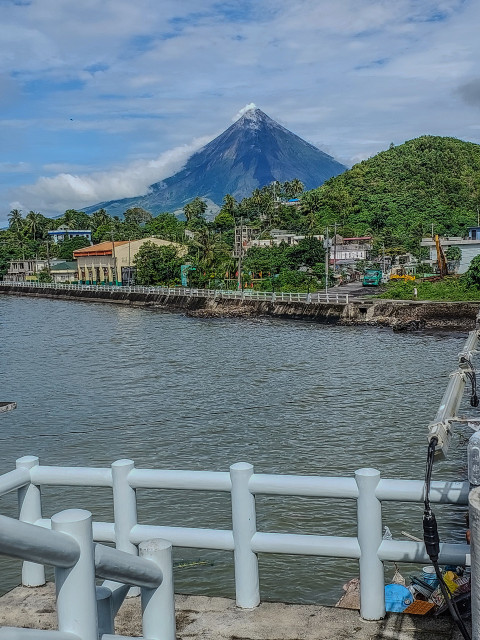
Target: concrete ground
{"type": "Point", "coordinates": [203, 618]}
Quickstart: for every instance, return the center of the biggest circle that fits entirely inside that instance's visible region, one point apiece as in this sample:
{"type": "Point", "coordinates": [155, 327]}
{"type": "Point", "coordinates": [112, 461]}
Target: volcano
{"type": "Point", "coordinates": [250, 154]}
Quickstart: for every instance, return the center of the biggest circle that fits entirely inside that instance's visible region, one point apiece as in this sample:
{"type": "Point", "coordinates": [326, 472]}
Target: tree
{"type": "Point", "coordinates": [67, 247]}
{"type": "Point", "coordinates": [224, 221]}
{"type": "Point", "coordinates": [99, 218]}
{"type": "Point", "coordinates": [472, 276]}
{"type": "Point", "coordinates": [166, 225]}
{"type": "Point", "coordinates": [68, 219]}
{"type": "Point", "coordinates": [137, 215]}
{"type": "Point", "coordinates": [15, 220]}
{"type": "Point", "coordinates": [44, 276]}
{"type": "Point", "coordinates": [35, 223]}
{"type": "Point", "coordinates": [308, 252]}
{"type": "Point", "coordinates": [453, 254]}
{"type": "Point", "coordinates": [157, 265]}
{"type": "Point", "coordinates": [293, 188]}
{"type": "Point", "coordinates": [195, 209]}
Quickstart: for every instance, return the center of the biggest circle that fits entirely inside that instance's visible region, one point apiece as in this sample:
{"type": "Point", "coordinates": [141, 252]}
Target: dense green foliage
{"type": "Point", "coordinates": [398, 194]}
{"type": "Point", "coordinates": [157, 265]}
{"type": "Point", "coordinates": [453, 289]}
{"type": "Point", "coordinates": [66, 248]}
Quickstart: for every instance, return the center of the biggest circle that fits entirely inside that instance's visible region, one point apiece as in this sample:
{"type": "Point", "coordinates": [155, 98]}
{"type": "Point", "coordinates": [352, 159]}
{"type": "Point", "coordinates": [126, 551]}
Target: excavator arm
{"type": "Point", "coordinates": [441, 260]}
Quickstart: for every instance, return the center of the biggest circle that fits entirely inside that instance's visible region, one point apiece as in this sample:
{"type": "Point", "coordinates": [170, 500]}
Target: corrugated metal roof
{"type": "Point", "coordinates": [102, 249]}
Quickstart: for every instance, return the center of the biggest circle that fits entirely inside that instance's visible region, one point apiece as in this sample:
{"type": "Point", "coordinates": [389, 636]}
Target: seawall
{"type": "Point", "coordinates": [401, 315]}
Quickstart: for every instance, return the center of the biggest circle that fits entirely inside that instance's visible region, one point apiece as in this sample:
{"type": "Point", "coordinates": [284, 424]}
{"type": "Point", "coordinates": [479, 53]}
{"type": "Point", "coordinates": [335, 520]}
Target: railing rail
{"type": "Point", "coordinates": [84, 611]}
{"type": "Point", "coordinates": [367, 488]}
{"type": "Point", "coordinates": [317, 297]}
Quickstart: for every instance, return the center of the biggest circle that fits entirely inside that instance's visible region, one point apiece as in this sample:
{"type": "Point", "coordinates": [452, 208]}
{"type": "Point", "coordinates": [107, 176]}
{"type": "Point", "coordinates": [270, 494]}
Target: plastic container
{"type": "Point", "coordinates": [397, 598]}
{"type": "Point", "coordinates": [429, 576]}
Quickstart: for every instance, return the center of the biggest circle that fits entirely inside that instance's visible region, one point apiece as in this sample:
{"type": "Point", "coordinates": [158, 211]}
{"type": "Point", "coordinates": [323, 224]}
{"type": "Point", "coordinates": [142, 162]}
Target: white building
{"type": "Point", "coordinates": [277, 236]}
{"type": "Point", "coordinates": [62, 233]}
{"type": "Point", "coordinates": [347, 251]}
{"type": "Point", "coordinates": [470, 247]}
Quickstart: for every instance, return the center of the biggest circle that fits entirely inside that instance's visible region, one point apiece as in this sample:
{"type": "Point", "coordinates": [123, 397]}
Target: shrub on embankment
{"type": "Point", "coordinates": [450, 289]}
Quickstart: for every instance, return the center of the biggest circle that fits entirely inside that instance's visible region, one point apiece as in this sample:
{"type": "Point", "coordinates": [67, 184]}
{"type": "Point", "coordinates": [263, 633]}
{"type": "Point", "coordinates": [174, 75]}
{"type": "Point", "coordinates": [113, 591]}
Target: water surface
{"type": "Point", "coordinates": [99, 382]}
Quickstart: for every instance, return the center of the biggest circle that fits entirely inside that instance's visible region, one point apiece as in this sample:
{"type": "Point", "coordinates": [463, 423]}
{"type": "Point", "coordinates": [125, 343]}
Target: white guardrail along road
{"type": "Point", "coordinates": [245, 294]}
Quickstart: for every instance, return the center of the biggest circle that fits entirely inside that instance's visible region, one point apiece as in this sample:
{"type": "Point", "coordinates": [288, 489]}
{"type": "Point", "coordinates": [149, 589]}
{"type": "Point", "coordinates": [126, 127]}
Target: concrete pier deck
{"type": "Point", "coordinates": [204, 618]}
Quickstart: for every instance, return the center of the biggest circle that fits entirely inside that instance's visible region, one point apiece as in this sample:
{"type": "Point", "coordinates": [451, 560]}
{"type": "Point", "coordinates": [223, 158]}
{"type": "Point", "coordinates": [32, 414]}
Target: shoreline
{"type": "Point", "coordinates": [399, 315]}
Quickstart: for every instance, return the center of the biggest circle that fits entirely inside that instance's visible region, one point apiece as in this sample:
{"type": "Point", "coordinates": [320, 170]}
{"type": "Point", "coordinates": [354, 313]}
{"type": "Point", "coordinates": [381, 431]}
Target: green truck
{"type": "Point", "coordinates": [372, 277]}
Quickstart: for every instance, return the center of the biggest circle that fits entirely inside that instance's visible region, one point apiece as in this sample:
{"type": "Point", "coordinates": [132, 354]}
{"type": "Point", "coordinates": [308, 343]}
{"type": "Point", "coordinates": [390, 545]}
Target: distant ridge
{"type": "Point", "coordinates": [252, 152]}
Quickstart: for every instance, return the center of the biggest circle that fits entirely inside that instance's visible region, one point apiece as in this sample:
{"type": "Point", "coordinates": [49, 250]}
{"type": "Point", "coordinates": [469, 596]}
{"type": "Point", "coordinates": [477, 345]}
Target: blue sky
{"type": "Point", "coordinates": [100, 98]}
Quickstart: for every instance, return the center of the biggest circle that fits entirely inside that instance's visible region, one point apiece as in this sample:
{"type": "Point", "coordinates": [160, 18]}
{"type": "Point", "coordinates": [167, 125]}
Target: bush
{"type": "Point", "coordinates": [449, 289]}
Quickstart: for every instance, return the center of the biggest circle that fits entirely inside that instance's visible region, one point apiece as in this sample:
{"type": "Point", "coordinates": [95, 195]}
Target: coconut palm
{"type": "Point", "coordinates": [34, 222]}
{"type": "Point", "coordinates": [15, 220]}
{"type": "Point", "coordinates": [99, 218]}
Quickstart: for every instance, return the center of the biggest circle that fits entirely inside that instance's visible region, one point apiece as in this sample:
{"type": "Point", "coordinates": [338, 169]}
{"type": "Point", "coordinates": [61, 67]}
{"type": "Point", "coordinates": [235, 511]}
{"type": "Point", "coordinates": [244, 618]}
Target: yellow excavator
{"type": "Point", "coordinates": [441, 260]}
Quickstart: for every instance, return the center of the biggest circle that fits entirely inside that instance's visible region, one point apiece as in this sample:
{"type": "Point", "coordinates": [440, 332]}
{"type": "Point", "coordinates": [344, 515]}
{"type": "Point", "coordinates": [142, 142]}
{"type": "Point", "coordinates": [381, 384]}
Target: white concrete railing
{"type": "Point", "coordinates": [245, 294]}
{"type": "Point", "coordinates": [367, 488]}
{"type": "Point", "coordinates": [84, 611]}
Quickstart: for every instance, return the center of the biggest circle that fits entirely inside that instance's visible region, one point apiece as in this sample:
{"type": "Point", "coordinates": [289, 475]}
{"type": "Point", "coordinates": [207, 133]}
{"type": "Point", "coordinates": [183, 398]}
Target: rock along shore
{"type": "Point", "coordinates": [401, 315]}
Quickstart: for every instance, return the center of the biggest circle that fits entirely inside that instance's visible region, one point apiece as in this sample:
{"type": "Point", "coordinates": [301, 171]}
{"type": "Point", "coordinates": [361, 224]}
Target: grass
{"type": "Point", "coordinates": [450, 289]}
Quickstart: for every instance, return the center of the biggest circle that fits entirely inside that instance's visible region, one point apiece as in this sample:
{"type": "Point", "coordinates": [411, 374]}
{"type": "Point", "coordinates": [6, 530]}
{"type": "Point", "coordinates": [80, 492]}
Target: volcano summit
{"type": "Point", "coordinates": [250, 154]}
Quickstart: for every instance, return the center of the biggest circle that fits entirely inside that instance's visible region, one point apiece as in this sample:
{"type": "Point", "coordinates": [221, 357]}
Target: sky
{"type": "Point", "coordinates": [101, 98]}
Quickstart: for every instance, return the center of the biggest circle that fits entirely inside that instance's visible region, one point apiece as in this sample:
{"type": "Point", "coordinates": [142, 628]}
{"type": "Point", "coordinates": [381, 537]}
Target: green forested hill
{"type": "Point", "coordinates": [399, 193]}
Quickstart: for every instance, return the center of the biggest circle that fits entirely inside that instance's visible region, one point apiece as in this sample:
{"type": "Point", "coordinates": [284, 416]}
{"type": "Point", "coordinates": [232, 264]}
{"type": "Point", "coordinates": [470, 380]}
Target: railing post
{"type": "Point", "coordinates": [30, 510]}
{"type": "Point", "coordinates": [124, 509]}
{"type": "Point", "coordinates": [244, 528]}
{"type": "Point", "coordinates": [158, 605]}
{"type": "Point", "coordinates": [474, 515]}
{"type": "Point", "coordinates": [106, 618]}
{"type": "Point", "coordinates": [369, 533]}
{"type": "Point", "coordinates": [75, 586]}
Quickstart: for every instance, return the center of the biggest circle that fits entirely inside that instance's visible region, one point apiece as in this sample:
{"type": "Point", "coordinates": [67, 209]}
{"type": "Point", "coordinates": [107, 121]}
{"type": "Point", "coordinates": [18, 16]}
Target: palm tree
{"type": "Point", "coordinates": [15, 220]}
{"type": "Point", "coordinates": [99, 218]}
{"type": "Point", "coordinates": [296, 187]}
{"type": "Point", "coordinates": [33, 223]}
{"type": "Point", "coordinates": [68, 219]}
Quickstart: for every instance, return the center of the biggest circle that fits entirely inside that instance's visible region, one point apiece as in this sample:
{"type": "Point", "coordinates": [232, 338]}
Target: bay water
{"type": "Point", "coordinates": [99, 382]}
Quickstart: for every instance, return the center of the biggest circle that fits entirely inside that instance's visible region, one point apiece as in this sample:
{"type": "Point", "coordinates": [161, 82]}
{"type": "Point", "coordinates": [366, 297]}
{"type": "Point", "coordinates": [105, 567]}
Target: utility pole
{"type": "Point", "coordinates": [327, 261]}
{"type": "Point", "coordinates": [239, 272]}
{"type": "Point", "coordinates": [383, 250]}
{"type": "Point", "coordinates": [48, 257]}
{"type": "Point", "coordinates": [129, 265]}
{"type": "Point", "coordinates": [114, 270]}
{"type": "Point", "coordinates": [335, 250]}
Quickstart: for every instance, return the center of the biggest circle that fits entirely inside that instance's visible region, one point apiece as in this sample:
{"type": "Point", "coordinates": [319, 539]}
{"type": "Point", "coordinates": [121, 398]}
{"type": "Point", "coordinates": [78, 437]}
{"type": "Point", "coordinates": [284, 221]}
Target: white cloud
{"type": "Point", "coordinates": [247, 107]}
{"type": "Point", "coordinates": [67, 190]}
{"type": "Point", "coordinates": [350, 76]}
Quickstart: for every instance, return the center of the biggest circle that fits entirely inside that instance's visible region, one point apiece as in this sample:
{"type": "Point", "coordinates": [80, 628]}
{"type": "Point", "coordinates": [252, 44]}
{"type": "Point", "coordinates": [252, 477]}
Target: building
{"type": "Point", "coordinates": [277, 236]}
{"type": "Point", "coordinates": [469, 246]}
{"type": "Point", "coordinates": [243, 235]}
{"type": "Point", "coordinates": [113, 262]}
{"type": "Point", "coordinates": [28, 269]}
{"type": "Point", "coordinates": [64, 272]}
{"type": "Point", "coordinates": [62, 233]}
{"type": "Point", "coordinates": [348, 251]}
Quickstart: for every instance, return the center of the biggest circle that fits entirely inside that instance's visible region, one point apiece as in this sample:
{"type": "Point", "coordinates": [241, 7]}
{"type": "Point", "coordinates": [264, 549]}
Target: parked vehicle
{"type": "Point", "coordinates": [372, 277]}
